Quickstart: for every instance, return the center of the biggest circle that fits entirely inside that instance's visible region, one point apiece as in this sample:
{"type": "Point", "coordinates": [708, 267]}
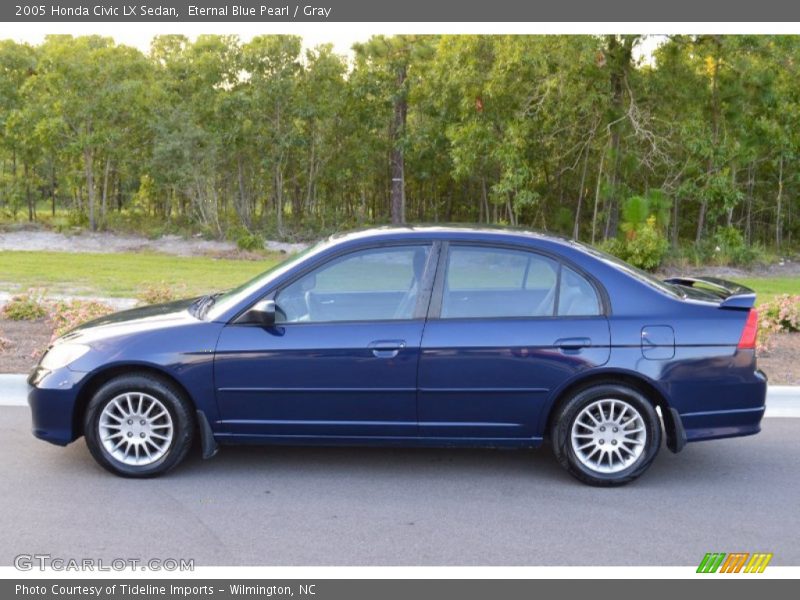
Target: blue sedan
{"type": "Point", "coordinates": [417, 336]}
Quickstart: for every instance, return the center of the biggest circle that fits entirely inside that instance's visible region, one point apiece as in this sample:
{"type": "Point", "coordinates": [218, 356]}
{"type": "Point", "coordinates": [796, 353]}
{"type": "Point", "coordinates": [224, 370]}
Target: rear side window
{"type": "Point", "coordinates": [498, 282]}
{"type": "Point", "coordinates": [577, 297]}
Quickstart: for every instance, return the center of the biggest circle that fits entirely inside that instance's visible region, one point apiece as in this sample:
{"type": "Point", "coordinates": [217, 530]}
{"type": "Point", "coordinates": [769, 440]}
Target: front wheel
{"type": "Point", "coordinates": [138, 426]}
{"type": "Point", "coordinates": [606, 435]}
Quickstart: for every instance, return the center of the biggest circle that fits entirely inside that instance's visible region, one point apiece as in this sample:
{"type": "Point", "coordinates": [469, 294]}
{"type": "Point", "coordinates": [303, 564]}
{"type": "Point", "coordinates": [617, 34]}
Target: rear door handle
{"type": "Point", "coordinates": [572, 345]}
{"type": "Point", "coordinates": [387, 348]}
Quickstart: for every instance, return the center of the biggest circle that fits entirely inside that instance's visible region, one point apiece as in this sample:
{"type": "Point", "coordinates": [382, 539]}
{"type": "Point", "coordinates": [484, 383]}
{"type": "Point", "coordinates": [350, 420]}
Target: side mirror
{"type": "Point", "coordinates": [262, 313]}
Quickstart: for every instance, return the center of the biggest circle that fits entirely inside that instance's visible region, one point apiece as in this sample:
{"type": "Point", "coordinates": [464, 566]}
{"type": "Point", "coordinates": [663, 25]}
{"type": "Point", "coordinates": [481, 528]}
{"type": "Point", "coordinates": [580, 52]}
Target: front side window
{"type": "Point", "coordinates": [369, 285]}
{"type": "Point", "coordinates": [498, 282]}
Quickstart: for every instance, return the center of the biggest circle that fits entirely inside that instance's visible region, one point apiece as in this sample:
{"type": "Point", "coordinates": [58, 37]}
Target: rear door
{"type": "Point", "coordinates": [507, 326]}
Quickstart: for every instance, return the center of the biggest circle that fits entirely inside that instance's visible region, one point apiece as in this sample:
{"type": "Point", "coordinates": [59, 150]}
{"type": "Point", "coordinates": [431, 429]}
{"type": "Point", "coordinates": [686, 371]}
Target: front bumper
{"type": "Point", "coordinates": [52, 396]}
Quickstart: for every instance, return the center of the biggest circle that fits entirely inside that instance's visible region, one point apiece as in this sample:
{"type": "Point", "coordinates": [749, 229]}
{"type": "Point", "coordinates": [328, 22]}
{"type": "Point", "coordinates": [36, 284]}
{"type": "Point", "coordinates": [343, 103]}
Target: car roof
{"type": "Point", "coordinates": [459, 232]}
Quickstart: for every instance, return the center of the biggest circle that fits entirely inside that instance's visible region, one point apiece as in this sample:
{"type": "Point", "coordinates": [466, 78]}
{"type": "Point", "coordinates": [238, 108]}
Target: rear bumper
{"type": "Point", "coordinates": [750, 401]}
{"type": "Point", "coordinates": [52, 396]}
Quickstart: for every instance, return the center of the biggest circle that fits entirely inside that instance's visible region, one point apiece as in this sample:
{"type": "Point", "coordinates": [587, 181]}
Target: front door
{"type": "Point", "coordinates": [342, 357]}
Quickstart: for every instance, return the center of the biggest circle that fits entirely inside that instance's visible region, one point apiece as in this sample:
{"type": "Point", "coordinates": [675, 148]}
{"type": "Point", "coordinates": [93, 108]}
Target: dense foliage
{"type": "Point", "coordinates": [575, 134]}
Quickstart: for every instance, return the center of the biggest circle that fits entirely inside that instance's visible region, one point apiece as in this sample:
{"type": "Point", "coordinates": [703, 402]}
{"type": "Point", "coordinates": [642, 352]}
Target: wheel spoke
{"type": "Point", "coordinates": [637, 430]}
{"type": "Point", "coordinates": [149, 409]}
{"type": "Point", "coordinates": [121, 412]}
{"type": "Point", "coordinates": [628, 450]}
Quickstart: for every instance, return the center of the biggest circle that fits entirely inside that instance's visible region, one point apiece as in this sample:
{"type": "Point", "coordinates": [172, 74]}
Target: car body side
{"type": "Point", "coordinates": [682, 353]}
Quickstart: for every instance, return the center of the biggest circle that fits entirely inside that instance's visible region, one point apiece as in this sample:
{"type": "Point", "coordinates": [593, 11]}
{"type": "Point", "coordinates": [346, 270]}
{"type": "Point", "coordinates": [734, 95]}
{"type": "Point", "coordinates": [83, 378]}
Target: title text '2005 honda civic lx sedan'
{"type": "Point", "coordinates": [417, 336]}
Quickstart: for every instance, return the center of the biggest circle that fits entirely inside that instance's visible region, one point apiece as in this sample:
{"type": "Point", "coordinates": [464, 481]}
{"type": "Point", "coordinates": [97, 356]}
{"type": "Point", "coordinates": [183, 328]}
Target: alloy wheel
{"type": "Point", "coordinates": [608, 436]}
{"type": "Point", "coordinates": [135, 428]}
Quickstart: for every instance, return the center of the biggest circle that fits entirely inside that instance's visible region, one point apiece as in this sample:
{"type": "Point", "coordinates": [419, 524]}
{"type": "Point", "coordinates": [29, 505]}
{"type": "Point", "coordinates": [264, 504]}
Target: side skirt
{"type": "Point", "coordinates": [399, 441]}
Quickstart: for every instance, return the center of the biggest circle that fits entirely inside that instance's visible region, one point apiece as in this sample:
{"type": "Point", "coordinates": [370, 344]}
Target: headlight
{"type": "Point", "coordinates": [61, 355]}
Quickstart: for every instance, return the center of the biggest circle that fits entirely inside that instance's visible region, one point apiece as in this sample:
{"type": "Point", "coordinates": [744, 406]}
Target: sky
{"type": "Point", "coordinates": [341, 35]}
{"type": "Point", "coordinates": [140, 34]}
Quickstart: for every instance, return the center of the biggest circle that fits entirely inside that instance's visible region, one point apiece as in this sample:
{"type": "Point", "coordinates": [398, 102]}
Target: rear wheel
{"type": "Point", "coordinates": [138, 426]}
{"type": "Point", "coordinates": [606, 435]}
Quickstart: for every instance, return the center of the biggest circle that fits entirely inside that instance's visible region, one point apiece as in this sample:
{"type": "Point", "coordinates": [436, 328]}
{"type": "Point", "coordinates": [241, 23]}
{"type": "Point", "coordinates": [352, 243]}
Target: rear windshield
{"type": "Point", "coordinates": [638, 274]}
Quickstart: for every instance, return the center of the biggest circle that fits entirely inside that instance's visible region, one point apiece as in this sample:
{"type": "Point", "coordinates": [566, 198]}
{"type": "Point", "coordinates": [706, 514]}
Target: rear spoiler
{"type": "Point", "coordinates": [733, 295]}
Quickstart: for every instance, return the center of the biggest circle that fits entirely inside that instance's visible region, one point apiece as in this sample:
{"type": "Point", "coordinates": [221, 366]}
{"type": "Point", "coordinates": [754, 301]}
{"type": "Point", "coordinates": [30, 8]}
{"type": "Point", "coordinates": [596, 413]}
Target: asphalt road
{"type": "Point", "coordinates": [343, 506]}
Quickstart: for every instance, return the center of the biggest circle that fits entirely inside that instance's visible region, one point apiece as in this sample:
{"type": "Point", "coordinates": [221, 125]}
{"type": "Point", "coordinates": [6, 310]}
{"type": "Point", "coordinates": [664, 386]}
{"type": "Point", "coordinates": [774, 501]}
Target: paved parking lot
{"type": "Point", "coordinates": [345, 506]}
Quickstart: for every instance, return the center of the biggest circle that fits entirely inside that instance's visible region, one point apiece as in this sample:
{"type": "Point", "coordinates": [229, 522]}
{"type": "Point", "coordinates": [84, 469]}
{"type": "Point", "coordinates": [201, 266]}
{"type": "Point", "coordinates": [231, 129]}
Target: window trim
{"type": "Point", "coordinates": [435, 310]}
{"type": "Point", "coordinates": [423, 301]}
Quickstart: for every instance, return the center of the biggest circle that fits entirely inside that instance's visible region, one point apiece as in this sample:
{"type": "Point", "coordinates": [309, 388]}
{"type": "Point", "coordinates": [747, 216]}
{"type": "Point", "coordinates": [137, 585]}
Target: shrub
{"type": "Point", "coordinates": [647, 248]}
{"type": "Point", "coordinates": [644, 246]}
{"type": "Point", "coordinates": [729, 248]}
{"type": "Point", "coordinates": [780, 315]}
{"type": "Point", "coordinates": [26, 307]}
{"type": "Point", "coordinates": [68, 314]}
{"type": "Point", "coordinates": [249, 241]}
{"type": "Point", "coordinates": [158, 293]}
{"type": "Point", "coordinates": [77, 219]}
{"type": "Point", "coordinates": [614, 247]}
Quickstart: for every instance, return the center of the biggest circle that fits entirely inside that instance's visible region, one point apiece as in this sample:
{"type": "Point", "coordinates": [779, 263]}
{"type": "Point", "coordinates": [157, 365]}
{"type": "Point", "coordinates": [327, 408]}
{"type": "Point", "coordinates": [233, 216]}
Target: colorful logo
{"type": "Point", "coordinates": [735, 562]}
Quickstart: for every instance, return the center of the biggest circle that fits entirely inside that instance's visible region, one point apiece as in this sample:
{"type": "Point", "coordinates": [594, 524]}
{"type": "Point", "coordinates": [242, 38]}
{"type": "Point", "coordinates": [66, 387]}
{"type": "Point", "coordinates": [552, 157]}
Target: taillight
{"type": "Point", "coordinates": [750, 331]}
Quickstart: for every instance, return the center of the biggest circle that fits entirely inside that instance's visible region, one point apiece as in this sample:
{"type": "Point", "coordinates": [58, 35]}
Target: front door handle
{"type": "Point", "coordinates": [572, 345]}
{"type": "Point", "coordinates": [386, 348]}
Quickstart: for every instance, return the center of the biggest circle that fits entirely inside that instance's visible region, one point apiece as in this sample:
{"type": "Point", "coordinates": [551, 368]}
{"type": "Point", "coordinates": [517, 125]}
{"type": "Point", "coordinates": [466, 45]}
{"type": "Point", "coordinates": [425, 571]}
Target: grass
{"type": "Point", "coordinates": [123, 275]}
{"type": "Point", "coordinates": [767, 288]}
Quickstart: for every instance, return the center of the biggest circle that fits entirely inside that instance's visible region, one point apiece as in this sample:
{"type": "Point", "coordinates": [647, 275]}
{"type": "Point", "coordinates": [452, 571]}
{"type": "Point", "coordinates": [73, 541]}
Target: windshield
{"type": "Point", "coordinates": [226, 300]}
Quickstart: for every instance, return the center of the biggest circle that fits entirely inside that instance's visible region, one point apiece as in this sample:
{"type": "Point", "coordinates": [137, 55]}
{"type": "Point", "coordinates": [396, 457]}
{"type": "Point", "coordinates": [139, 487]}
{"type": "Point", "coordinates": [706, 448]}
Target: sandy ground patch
{"type": "Point", "coordinates": [107, 243]}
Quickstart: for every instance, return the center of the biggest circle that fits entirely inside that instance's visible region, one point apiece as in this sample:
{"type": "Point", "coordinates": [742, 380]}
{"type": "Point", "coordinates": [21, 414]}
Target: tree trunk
{"type": "Point", "coordinates": [243, 205]}
{"type": "Point", "coordinates": [396, 135]}
{"type": "Point", "coordinates": [778, 216]}
{"type": "Point", "coordinates": [675, 214]}
{"type": "Point", "coordinates": [104, 203]}
{"type": "Point", "coordinates": [715, 122]}
{"type": "Point", "coordinates": [52, 190]}
{"type": "Point", "coordinates": [88, 166]}
{"type": "Point", "coordinates": [597, 195]}
{"type": "Point", "coordinates": [279, 198]}
{"type": "Point", "coordinates": [484, 202]}
{"type": "Point", "coordinates": [28, 194]}
{"type": "Point", "coordinates": [620, 56]}
{"type": "Point", "coordinates": [749, 217]}
{"type": "Point", "coordinates": [576, 227]}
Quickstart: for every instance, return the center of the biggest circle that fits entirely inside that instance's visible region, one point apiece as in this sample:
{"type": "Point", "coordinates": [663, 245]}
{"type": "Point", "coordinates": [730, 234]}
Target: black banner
{"type": "Point", "coordinates": [405, 11]}
{"type": "Point", "coordinates": [419, 589]}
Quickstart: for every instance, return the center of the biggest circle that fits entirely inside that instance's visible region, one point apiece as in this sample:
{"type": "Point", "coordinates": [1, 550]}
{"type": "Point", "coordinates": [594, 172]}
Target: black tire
{"type": "Point", "coordinates": [180, 411]}
{"type": "Point", "coordinates": [569, 411]}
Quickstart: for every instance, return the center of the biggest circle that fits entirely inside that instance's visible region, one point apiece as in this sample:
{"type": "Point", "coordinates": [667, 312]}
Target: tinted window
{"type": "Point", "coordinates": [497, 282]}
{"type": "Point", "coordinates": [576, 297]}
{"type": "Point", "coordinates": [375, 284]}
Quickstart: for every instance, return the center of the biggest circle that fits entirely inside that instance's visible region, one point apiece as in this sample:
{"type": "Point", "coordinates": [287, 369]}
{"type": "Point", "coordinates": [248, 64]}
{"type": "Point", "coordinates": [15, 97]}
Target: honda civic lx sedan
{"type": "Point", "coordinates": [417, 337]}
